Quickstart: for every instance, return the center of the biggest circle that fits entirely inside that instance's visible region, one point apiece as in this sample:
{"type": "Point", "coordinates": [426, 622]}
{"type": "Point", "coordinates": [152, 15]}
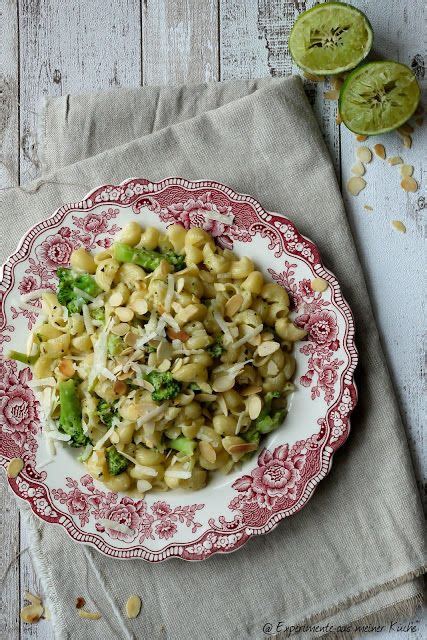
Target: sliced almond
{"type": "Point", "coordinates": [177, 365]}
{"type": "Point", "coordinates": [115, 438]}
{"type": "Point", "coordinates": [14, 467]}
{"type": "Point", "coordinates": [272, 368]}
{"type": "Point", "coordinates": [368, 207]}
{"type": "Point", "coordinates": [241, 449]}
{"type": "Point", "coordinates": [406, 170]}
{"type": "Point", "coordinates": [222, 404]}
{"type": "Point", "coordinates": [32, 613]}
{"type": "Point", "coordinates": [267, 348]}
{"type": "Point", "coordinates": [254, 406]}
{"type": "Point", "coordinates": [361, 138]}
{"type": "Point", "coordinates": [409, 184]}
{"type": "Point", "coordinates": [355, 185]}
{"type": "Point", "coordinates": [124, 314]}
{"type": "Point", "coordinates": [398, 225]}
{"type": "Point", "coordinates": [407, 142]}
{"type": "Point", "coordinates": [31, 597]}
{"type": "Point", "coordinates": [207, 451]}
{"type": "Point", "coordinates": [233, 305]}
{"type": "Point", "coordinates": [266, 335]}
{"type": "Point", "coordinates": [164, 350]}
{"type": "Point", "coordinates": [165, 365]}
{"type": "Point", "coordinates": [364, 154]}
{"type": "Point", "coordinates": [319, 284]}
{"type": "Point", "coordinates": [131, 338]}
{"type": "Point", "coordinates": [120, 329]}
{"type": "Point", "coordinates": [406, 129]}
{"type": "Point", "coordinates": [358, 168]}
{"type": "Point", "coordinates": [223, 383]}
{"type": "Point", "coordinates": [143, 486]}
{"type": "Point", "coordinates": [139, 305]}
{"type": "Point", "coordinates": [180, 284]}
{"type": "Point", "coordinates": [255, 341]}
{"type": "Point", "coordinates": [66, 367]}
{"type": "Point", "coordinates": [380, 150]}
{"type": "Point", "coordinates": [120, 387]}
{"type": "Point", "coordinates": [133, 606]}
{"type": "Point", "coordinates": [177, 335]}
{"type": "Point", "coordinates": [313, 78]}
{"type": "Point", "coordinates": [332, 94]}
{"type": "Point", "coordinates": [89, 615]}
{"type": "Point", "coordinates": [395, 160]}
{"type": "Point", "coordinates": [116, 299]}
{"type": "Point", "coordinates": [248, 391]}
{"type": "Point", "coordinates": [147, 385]}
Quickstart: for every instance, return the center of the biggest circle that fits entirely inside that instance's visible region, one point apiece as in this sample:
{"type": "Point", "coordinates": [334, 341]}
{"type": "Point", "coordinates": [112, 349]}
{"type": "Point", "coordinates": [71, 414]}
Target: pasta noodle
{"type": "Point", "coordinates": [170, 358]}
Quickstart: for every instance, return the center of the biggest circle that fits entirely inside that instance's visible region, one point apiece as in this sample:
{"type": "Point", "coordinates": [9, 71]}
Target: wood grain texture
{"type": "Point", "coordinates": [54, 47]}
{"type": "Point", "coordinates": [179, 41]}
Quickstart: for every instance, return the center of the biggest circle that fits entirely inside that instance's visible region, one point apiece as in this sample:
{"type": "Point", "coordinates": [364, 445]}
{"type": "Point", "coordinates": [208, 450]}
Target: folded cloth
{"type": "Point", "coordinates": [355, 551]}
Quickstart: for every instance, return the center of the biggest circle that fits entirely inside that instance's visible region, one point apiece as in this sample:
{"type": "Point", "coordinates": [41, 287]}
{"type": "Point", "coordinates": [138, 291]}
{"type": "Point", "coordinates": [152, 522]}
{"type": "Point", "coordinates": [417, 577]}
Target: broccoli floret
{"type": "Point", "coordinates": [148, 260]}
{"type": "Point", "coordinates": [165, 387]}
{"type": "Point", "coordinates": [185, 445]}
{"type": "Point", "coordinates": [68, 283]}
{"type": "Point", "coordinates": [22, 357]}
{"type": "Point", "coordinates": [149, 348]}
{"type": "Point", "coordinates": [106, 412]}
{"type": "Point", "coordinates": [115, 461]}
{"type": "Point", "coordinates": [70, 417]}
{"type": "Point", "coordinates": [194, 387]}
{"type": "Point", "coordinates": [216, 349]}
{"type": "Point", "coordinates": [98, 314]}
{"type": "Point", "coordinates": [267, 421]}
{"type": "Point", "coordinates": [114, 344]}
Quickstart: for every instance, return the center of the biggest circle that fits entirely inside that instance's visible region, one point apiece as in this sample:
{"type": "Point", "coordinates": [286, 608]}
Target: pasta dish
{"type": "Point", "coordinates": [162, 358]}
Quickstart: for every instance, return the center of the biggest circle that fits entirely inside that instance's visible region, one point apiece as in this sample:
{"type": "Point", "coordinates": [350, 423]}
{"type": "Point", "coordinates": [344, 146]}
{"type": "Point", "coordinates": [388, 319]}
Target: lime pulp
{"type": "Point", "coordinates": [378, 97]}
{"type": "Point", "coordinates": [330, 38]}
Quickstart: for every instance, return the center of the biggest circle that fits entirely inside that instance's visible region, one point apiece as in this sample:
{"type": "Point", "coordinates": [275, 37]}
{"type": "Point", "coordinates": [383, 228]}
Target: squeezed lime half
{"type": "Point", "coordinates": [330, 38]}
{"type": "Point", "coordinates": [378, 97]}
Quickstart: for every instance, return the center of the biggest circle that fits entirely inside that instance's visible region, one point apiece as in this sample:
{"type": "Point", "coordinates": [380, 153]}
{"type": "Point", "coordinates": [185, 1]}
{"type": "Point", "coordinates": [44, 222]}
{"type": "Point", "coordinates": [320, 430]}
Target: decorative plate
{"type": "Point", "coordinates": [233, 508]}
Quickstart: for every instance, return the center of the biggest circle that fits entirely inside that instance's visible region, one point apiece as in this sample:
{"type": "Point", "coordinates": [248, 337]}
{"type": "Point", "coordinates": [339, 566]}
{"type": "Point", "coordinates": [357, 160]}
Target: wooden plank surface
{"type": "Point", "coordinates": [52, 48]}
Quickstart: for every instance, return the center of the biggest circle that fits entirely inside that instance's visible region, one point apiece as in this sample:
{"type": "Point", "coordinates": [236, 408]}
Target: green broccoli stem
{"type": "Point", "coordinates": [22, 357]}
{"type": "Point", "coordinates": [185, 445]}
{"type": "Point", "coordinates": [70, 417]}
{"type": "Point", "coordinates": [116, 462]}
{"type": "Point", "coordinates": [148, 260]}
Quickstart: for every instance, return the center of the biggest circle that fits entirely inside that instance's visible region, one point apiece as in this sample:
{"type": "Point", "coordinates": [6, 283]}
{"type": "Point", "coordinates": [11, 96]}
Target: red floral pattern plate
{"type": "Point", "coordinates": [252, 499]}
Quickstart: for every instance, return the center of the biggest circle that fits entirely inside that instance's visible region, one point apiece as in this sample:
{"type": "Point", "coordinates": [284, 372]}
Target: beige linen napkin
{"type": "Point", "coordinates": [355, 550]}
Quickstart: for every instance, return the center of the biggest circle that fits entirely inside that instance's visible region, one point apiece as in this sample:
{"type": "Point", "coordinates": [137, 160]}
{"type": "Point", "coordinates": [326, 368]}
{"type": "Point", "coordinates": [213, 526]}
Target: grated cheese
{"type": "Point", "coordinates": [128, 457]}
{"type": "Point", "coordinates": [170, 292]}
{"type": "Point", "coordinates": [155, 413]}
{"type": "Point", "coordinates": [100, 354]}
{"type": "Point", "coordinates": [34, 295]}
{"type": "Point", "coordinates": [248, 336]}
{"type": "Point", "coordinates": [221, 217]}
{"type": "Point", "coordinates": [87, 320]}
{"type": "Point", "coordinates": [99, 444]}
{"type": "Point", "coordinates": [181, 474]}
{"type": "Point", "coordinates": [147, 471]}
{"type": "Point", "coordinates": [115, 526]}
{"type": "Point", "coordinates": [83, 294]}
{"type": "Point", "coordinates": [171, 322]}
{"type": "Point", "coordinates": [222, 323]}
{"type": "Point", "coordinates": [103, 371]}
{"type": "Point", "coordinates": [30, 307]}
{"type": "Point", "coordinates": [42, 382]}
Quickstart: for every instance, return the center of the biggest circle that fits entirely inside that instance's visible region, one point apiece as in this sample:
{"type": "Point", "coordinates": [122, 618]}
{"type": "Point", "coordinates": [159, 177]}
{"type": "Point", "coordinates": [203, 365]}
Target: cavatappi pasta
{"type": "Point", "coordinates": [163, 358]}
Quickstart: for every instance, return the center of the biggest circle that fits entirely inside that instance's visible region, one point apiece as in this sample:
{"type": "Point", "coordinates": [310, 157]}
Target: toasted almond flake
{"type": "Point", "coordinates": [165, 365]}
{"type": "Point", "coordinates": [361, 138]}
{"type": "Point", "coordinates": [355, 185]}
{"type": "Point", "coordinates": [140, 306]}
{"type": "Point", "coordinates": [380, 150]}
{"type": "Point", "coordinates": [66, 367]}
{"type": "Point", "coordinates": [31, 597]}
{"type": "Point", "coordinates": [338, 118]}
{"type": "Point", "coordinates": [419, 121]}
{"type": "Point", "coordinates": [207, 451]}
{"type": "Point", "coordinates": [368, 207]}
{"type": "Point", "coordinates": [406, 129]}
{"type": "Point", "coordinates": [178, 364]}
{"type": "Point", "coordinates": [124, 314]}
{"type": "Point", "coordinates": [147, 385]}
{"type": "Point", "coordinates": [406, 170]}
{"type": "Point", "coordinates": [133, 606]}
{"type": "Point", "coordinates": [407, 142]}
{"type": "Point", "coordinates": [241, 449]}
{"type": "Point", "coordinates": [267, 348]}
{"type": "Point", "coordinates": [358, 168]}
{"type": "Point", "coordinates": [222, 404]}
{"type": "Point", "coordinates": [143, 486]}
{"type": "Point", "coordinates": [364, 154]}
{"type": "Point", "coordinates": [398, 226]}
{"type": "Point", "coordinates": [32, 613]}
{"type": "Point", "coordinates": [223, 383]}
{"type": "Point", "coordinates": [80, 602]}
{"type": "Point", "coordinates": [272, 368]}
{"type": "Point", "coordinates": [254, 406]}
{"type": "Point", "coordinates": [332, 94]}
{"type": "Point", "coordinates": [206, 397]}
{"type": "Point", "coordinates": [131, 338]}
{"type": "Point", "coordinates": [89, 615]}
{"type": "Point", "coordinates": [233, 305]}
{"type": "Point", "coordinates": [115, 438]}
{"type": "Point", "coordinates": [409, 184]}
{"type": "Point", "coordinates": [319, 284]}
{"type": "Point", "coordinates": [248, 391]}
{"type": "Point", "coordinates": [120, 387]}
{"type": "Point", "coordinates": [14, 467]}
{"type": "Point", "coordinates": [120, 329]}
{"type": "Point", "coordinates": [116, 299]}
{"type": "Point", "coordinates": [395, 160]}
{"type": "Point", "coordinates": [164, 350]}
{"type": "Point", "coordinates": [337, 82]}
{"type": "Point", "coordinates": [313, 78]}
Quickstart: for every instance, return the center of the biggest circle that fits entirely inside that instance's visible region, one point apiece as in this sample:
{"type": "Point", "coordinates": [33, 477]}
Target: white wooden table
{"type": "Point", "coordinates": [52, 47]}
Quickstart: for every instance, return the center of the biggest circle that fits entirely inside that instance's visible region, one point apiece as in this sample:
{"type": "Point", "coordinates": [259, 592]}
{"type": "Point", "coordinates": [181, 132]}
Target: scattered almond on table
{"type": "Point", "coordinates": [364, 154]}
{"type": "Point", "coordinates": [368, 207]}
{"type": "Point", "coordinates": [379, 151]}
{"type": "Point", "coordinates": [358, 168]}
{"type": "Point", "coordinates": [89, 615]}
{"type": "Point", "coordinates": [398, 226]}
{"type": "Point", "coordinates": [409, 184]}
{"type": "Point", "coordinates": [355, 185]}
{"type": "Point", "coordinates": [319, 284]}
{"type": "Point", "coordinates": [395, 160]}
{"type": "Point", "coordinates": [133, 606]}
{"type": "Point", "coordinates": [406, 170]}
{"type": "Point", "coordinates": [14, 467]}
